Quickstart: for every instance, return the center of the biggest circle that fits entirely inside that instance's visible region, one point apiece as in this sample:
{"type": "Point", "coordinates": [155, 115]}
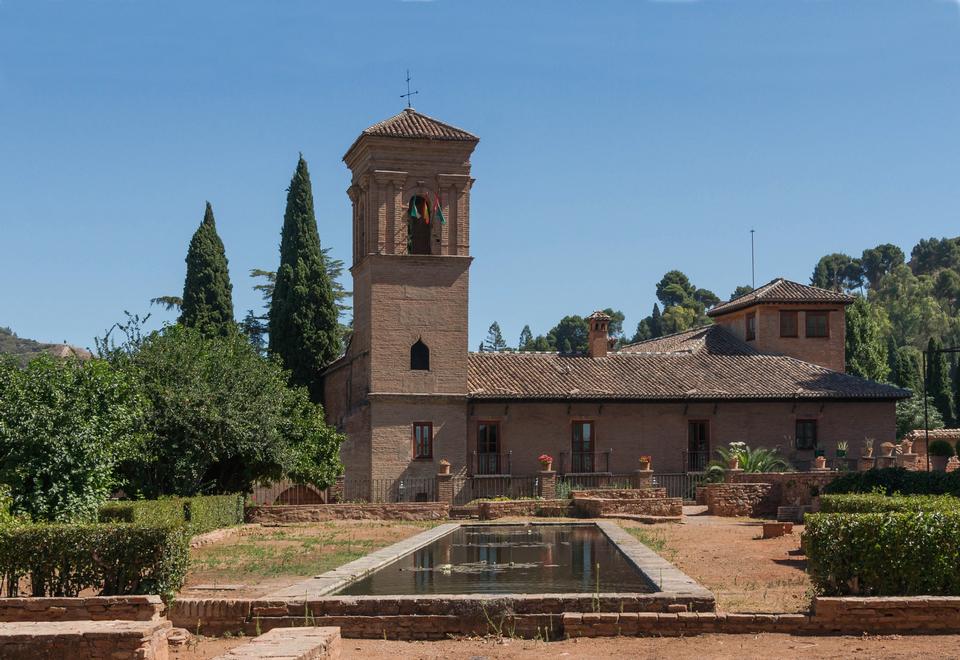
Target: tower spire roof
{"type": "Point", "coordinates": [412, 124]}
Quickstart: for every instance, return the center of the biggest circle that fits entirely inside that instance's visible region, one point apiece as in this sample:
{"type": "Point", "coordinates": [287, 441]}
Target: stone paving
{"type": "Point", "coordinates": [313, 643]}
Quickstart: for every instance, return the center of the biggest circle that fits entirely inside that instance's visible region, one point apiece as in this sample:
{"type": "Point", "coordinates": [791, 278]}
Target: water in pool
{"type": "Point", "coordinates": [476, 559]}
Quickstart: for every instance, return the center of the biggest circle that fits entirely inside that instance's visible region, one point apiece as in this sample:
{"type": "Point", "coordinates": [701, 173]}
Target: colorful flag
{"type": "Point", "coordinates": [438, 210]}
{"type": "Point", "coordinates": [412, 211]}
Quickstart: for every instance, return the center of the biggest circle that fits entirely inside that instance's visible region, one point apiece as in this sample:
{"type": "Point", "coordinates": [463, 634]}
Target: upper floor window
{"type": "Point", "coordinates": [420, 356]}
{"type": "Point", "coordinates": [751, 326]}
{"type": "Point", "coordinates": [788, 323]}
{"type": "Point", "coordinates": [818, 324]}
{"type": "Point", "coordinates": [806, 436]}
{"type": "Point", "coordinates": [418, 225]}
{"type": "Point", "coordinates": [582, 447]}
{"type": "Point", "coordinates": [423, 440]}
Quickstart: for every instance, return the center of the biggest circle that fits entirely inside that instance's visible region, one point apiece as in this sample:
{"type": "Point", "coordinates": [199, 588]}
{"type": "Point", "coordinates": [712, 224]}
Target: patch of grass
{"type": "Point", "coordinates": [301, 550]}
{"type": "Point", "coordinates": [653, 539]}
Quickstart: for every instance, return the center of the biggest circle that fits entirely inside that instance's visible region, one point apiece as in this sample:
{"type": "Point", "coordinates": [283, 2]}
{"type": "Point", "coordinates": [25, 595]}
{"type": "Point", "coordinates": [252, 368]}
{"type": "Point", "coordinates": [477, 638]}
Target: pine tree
{"type": "Point", "coordinates": [494, 341]}
{"type": "Point", "coordinates": [304, 328]}
{"type": "Point", "coordinates": [255, 330]}
{"type": "Point", "coordinates": [526, 338]}
{"type": "Point", "coordinates": [939, 385]}
{"type": "Point", "coordinates": [207, 301]}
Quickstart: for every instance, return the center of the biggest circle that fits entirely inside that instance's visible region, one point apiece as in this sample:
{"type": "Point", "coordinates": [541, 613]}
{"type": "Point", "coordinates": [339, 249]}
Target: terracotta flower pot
{"type": "Point", "coordinates": [820, 462]}
{"type": "Point", "coordinates": [733, 463]}
{"type": "Point", "coordinates": [644, 465]}
{"type": "Point", "coordinates": [444, 467]}
{"type": "Point", "coordinates": [546, 466]}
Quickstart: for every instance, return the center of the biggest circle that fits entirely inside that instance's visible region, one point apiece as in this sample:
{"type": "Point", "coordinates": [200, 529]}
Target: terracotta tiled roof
{"type": "Point", "coordinates": [782, 291]}
{"type": "Point", "coordinates": [706, 363]}
{"type": "Point", "coordinates": [412, 124]}
{"type": "Point", "coordinates": [935, 434]}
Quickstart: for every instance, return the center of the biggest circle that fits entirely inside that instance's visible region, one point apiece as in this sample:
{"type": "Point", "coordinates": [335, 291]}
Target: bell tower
{"type": "Point", "coordinates": [410, 190]}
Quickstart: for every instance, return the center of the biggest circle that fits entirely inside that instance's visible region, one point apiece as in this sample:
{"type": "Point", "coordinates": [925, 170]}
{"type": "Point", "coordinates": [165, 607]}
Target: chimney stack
{"type": "Point", "coordinates": [597, 343]}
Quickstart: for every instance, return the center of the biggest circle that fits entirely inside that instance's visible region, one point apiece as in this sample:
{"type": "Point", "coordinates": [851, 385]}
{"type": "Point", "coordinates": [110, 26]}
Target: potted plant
{"type": "Point", "coordinates": [868, 447]}
{"type": "Point", "coordinates": [906, 446]}
{"type": "Point", "coordinates": [546, 462]}
{"type": "Point", "coordinates": [886, 449]}
{"type": "Point", "coordinates": [940, 452]}
{"type": "Point", "coordinates": [842, 449]}
{"type": "Point", "coordinates": [820, 462]}
{"type": "Point", "coordinates": [444, 466]}
{"type": "Point", "coordinates": [645, 462]}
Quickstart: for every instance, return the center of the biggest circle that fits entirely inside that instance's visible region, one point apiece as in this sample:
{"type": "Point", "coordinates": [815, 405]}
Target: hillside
{"type": "Point", "coordinates": [27, 349]}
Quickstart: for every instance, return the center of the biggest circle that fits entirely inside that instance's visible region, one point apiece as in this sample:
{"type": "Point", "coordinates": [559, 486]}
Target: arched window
{"type": "Point", "coordinates": [420, 356]}
{"type": "Point", "coordinates": [418, 225]}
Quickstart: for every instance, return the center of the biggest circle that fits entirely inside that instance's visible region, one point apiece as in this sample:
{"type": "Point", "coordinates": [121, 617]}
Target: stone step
{"type": "Point", "coordinates": [310, 643]}
{"type": "Point", "coordinates": [85, 640]}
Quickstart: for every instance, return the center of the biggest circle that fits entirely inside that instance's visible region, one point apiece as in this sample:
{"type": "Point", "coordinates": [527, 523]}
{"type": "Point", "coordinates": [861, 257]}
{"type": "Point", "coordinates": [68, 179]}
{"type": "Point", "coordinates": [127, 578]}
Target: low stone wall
{"type": "Point", "coordinates": [736, 500]}
{"type": "Point", "coordinates": [93, 640]}
{"type": "Point", "coordinates": [97, 608]}
{"type": "Point", "coordinates": [323, 512]}
{"type": "Point", "coordinates": [851, 616]}
{"type": "Point", "coordinates": [786, 488]}
{"type": "Point", "coordinates": [593, 507]}
{"type": "Point", "coordinates": [621, 493]}
{"type": "Point", "coordinates": [495, 509]}
{"type": "Point", "coordinates": [290, 644]}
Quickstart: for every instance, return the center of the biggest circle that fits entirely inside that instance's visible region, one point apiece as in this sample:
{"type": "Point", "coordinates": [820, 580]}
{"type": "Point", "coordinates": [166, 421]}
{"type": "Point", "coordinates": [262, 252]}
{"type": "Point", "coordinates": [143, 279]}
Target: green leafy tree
{"type": "Point", "coordinates": [644, 331]}
{"type": "Point", "coordinates": [908, 370]}
{"type": "Point", "coordinates": [570, 334]}
{"type": "Point", "coordinates": [915, 313]}
{"type": "Point", "coordinates": [838, 272]}
{"type": "Point", "coordinates": [741, 290]}
{"type": "Point", "coordinates": [678, 318]}
{"type": "Point", "coordinates": [615, 327]}
{"type": "Point", "coordinates": [207, 292]}
{"type": "Point", "coordinates": [880, 261]}
{"type": "Point", "coordinates": [526, 339]}
{"type": "Point", "coordinates": [255, 329]}
{"type": "Point", "coordinates": [932, 254]}
{"type": "Point", "coordinates": [64, 427]}
{"type": "Point", "coordinates": [656, 322]}
{"type": "Point", "coordinates": [939, 384]}
{"type": "Point", "coordinates": [674, 288]}
{"type": "Point", "coordinates": [304, 320]}
{"type": "Point", "coordinates": [946, 287]}
{"type": "Point", "coordinates": [494, 341]}
{"type": "Point", "coordinates": [707, 298]}
{"type": "Point", "coordinates": [866, 340]}
{"type": "Point", "coordinates": [910, 415]}
{"type": "Point", "coordinates": [220, 417]}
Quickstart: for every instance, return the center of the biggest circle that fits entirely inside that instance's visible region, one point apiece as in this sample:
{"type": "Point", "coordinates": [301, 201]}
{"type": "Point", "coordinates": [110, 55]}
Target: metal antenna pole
{"type": "Point", "coordinates": [409, 93]}
{"type": "Point", "coordinates": [753, 268]}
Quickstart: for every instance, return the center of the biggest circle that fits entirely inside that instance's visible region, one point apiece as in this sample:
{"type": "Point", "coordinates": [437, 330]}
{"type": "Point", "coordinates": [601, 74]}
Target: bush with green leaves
{"type": "Point", "coordinates": [113, 559]}
{"type": "Point", "coordinates": [884, 554]}
{"type": "Point", "coordinates": [760, 459]}
{"type": "Point", "coordinates": [65, 425]}
{"type": "Point", "coordinates": [879, 503]}
{"type": "Point", "coordinates": [941, 448]}
{"type": "Point", "coordinates": [200, 514]}
{"type": "Point", "coordinates": [897, 480]}
{"type": "Point", "coordinates": [210, 512]}
{"type": "Point", "coordinates": [220, 417]}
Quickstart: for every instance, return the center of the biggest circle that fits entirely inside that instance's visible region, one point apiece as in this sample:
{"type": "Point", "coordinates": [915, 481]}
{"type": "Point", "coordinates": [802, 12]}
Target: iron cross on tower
{"type": "Point", "coordinates": [409, 93]}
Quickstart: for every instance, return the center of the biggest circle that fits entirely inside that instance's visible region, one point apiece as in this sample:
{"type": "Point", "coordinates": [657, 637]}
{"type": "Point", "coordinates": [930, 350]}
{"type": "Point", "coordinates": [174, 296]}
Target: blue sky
{"type": "Point", "coordinates": [619, 140]}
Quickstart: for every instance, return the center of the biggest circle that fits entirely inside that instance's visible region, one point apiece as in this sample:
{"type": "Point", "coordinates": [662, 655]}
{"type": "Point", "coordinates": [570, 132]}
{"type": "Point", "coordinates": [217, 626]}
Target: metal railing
{"type": "Point", "coordinates": [595, 481]}
{"type": "Point", "coordinates": [492, 463]}
{"type": "Point", "coordinates": [695, 461]}
{"type": "Point", "coordinates": [581, 462]}
{"type": "Point", "coordinates": [680, 484]}
{"type": "Point", "coordinates": [286, 491]}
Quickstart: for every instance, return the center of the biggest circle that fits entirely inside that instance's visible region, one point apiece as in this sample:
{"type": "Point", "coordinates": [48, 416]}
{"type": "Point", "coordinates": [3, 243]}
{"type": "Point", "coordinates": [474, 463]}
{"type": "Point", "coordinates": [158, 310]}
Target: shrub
{"type": "Point", "coordinates": [211, 512]}
{"type": "Point", "coordinates": [64, 427]}
{"type": "Point", "coordinates": [897, 480]}
{"type": "Point", "coordinates": [878, 503]}
{"type": "Point", "coordinates": [884, 554]}
{"type": "Point", "coordinates": [941, 448]}
{"type": "Point", "coordinates": [113, 559]}
{"type": "Point", "coordinates": [760, 459]}
{"type": "Point", "coordinates": [168, 511]}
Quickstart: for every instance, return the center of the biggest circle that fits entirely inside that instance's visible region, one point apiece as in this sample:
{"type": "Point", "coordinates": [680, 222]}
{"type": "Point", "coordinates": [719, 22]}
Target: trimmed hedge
{"type": "Point", "coordinates": [897, 480]}
{"type": "Point", "coordinates": [115, 559]}
{"type": "Point", "coordinates": [200, 514]}
{"type": "Point", "coordinates": [877, 503]}
{"type": "Point", "coordinates": [884, 554]}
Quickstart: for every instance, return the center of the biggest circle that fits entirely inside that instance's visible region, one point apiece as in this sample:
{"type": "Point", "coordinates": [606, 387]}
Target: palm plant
{"type": "Point", "coordinates": [760, 459]}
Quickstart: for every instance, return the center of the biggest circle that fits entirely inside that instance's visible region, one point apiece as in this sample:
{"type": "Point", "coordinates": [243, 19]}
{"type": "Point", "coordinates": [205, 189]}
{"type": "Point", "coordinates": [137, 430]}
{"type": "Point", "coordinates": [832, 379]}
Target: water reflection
{"type": "Point", "coordinates": [509, 559]}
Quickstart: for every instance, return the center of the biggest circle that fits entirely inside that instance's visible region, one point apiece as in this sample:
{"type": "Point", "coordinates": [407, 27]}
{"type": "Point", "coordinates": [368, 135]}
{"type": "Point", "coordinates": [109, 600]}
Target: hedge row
{"type": "Point", "coordinates": [113, 559]}
{"type": "Point", "coordinates": [897, 480]}
{"type": "Point", "coordinates": [877, 503]}
{"type": "Point", "coordinates": [201, 514]}
{"type": "Point", "coordinates": [884, 554]}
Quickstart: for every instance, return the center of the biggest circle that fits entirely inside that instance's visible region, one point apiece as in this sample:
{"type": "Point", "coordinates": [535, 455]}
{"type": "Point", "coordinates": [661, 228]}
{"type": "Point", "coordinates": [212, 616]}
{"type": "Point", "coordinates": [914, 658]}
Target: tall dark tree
{"type": "Point", "coordinates": [674, 288]}
{"type": "Point", "coordinates": [839, 272]}
{"type": "Point", "coordinates": [304, 321]}
{"type": "Point", "coordinates": [570, 334]}
{"type": "Point", "coordinates": [907, 370]}
{"type": "Point", "coordinates": [526, 339]}
{"type": "Point", "coordinates": [939, 383]}
{"type": "Point", "coordinates": [643, 331]}
{"type": "Point", "coordinates": [255, 330]}
{"type": "Point", "coordinates": [207, 301]}
{"type": "Point", "coordinates": [879, 261]}
{"type": "Point", "coordinates": [866, 340]}
{"type": "Point", "coordinates": [932, 254]}
{"type": "Point", "coordinates": [741, 290]}
{"type": "Point", "coordinates": [494, 341]}
{"type": "Point", "coordinates": [656, 322]}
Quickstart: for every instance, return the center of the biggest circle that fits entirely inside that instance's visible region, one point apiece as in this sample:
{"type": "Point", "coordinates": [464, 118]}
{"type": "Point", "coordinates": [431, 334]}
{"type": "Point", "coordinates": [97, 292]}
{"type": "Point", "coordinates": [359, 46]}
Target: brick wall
{"type": "Point", "coordinates": [786, 488]}
{"type": "Point", "coordinates": [664, 507]}
{"type": "Point", "coordinates": [323, 512]}
{"type": "Point", "coordinates": [740, 500]}
{"type": "Point", "coordinates": [621, 493]}
{"type": "Point", "coordinates": [94, 608]}
{"type": "Point", "coordinates": [92, 640]}
{"type": "Point", "coordinates": [547, 508]}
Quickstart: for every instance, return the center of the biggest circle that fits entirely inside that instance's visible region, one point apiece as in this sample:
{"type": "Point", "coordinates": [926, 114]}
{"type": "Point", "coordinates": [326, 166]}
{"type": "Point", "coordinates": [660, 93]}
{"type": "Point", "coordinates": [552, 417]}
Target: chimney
{"type": "Point", "coordinates": [597, 343]}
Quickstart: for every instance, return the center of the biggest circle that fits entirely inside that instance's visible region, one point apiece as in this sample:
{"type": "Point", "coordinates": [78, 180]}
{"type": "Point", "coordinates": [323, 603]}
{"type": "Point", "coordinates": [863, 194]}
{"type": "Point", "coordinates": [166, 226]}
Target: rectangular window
{"type": "Point", "coordinates": [788, 323]}
{"type": "Point", "coordinates": [422, 440]}
{"type": "Point", "coordinates": [582, 447]}
{"type": "Point", "coordinates": [818, 324]}
{"type": "Point", "coordinates": [806, 434]}
{"type": "Point", "coordinates": [751, 326]}
{"type": "Point", "coordinates": [698, 445]}
{"type": "Point", "coordinates": [488, 448]}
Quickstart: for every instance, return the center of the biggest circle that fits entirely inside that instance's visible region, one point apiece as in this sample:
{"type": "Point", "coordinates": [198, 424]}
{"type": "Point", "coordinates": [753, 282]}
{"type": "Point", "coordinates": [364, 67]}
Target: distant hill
{"type": "Point", "coordinates": [27, 349]}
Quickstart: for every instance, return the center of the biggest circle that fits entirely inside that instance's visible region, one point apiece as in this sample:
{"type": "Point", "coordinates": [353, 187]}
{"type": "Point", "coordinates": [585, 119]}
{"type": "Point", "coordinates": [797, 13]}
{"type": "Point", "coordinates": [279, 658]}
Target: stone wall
{"type": "Point", "coordinates": [493, 510]}
{"type": "Point", "coordinates": [91, 640]}
{"type": "Point", "coordinates": [324, 512]}
{"type": "Point", "coordinates": [786, 488]}
{"type": "Point", "coordinates": [309, 643]}
{"type": "Point", "coordinates": [736, 500]}
{"type": "Point", "coordinates": [595, 507]}
{"type": "Point", "coordinates": [96, 608]}
{"type": "Point", "coordinates": [621, 493]}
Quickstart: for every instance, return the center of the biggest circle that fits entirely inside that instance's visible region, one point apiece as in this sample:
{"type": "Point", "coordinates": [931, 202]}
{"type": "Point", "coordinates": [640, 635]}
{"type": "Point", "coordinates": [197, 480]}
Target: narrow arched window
{"type": "Point", "coordinates": [420, 356]}
{"type": "Point", "coordinates": [418, 225]}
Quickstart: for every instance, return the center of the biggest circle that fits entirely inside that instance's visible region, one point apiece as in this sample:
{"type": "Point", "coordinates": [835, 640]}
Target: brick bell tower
{"type": "Point", "coordinates": [400, 391]}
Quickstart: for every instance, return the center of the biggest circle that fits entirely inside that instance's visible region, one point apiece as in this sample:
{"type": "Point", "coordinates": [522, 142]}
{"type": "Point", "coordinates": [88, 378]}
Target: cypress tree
{"type": "Point", "coordinates": [207, 292]}
{"type": "Point", "coordinates": [304, 321]}
{"type": "Point", "coordinates": [907, 369]}
{"type": "Point", "coordinates": [939, 385]}
{"type": "Point", "coordinates": [656, 322]}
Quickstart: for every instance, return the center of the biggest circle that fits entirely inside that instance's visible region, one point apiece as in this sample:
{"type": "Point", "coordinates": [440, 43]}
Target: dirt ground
{"type": "Point", "coordinates": [704, 646]}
